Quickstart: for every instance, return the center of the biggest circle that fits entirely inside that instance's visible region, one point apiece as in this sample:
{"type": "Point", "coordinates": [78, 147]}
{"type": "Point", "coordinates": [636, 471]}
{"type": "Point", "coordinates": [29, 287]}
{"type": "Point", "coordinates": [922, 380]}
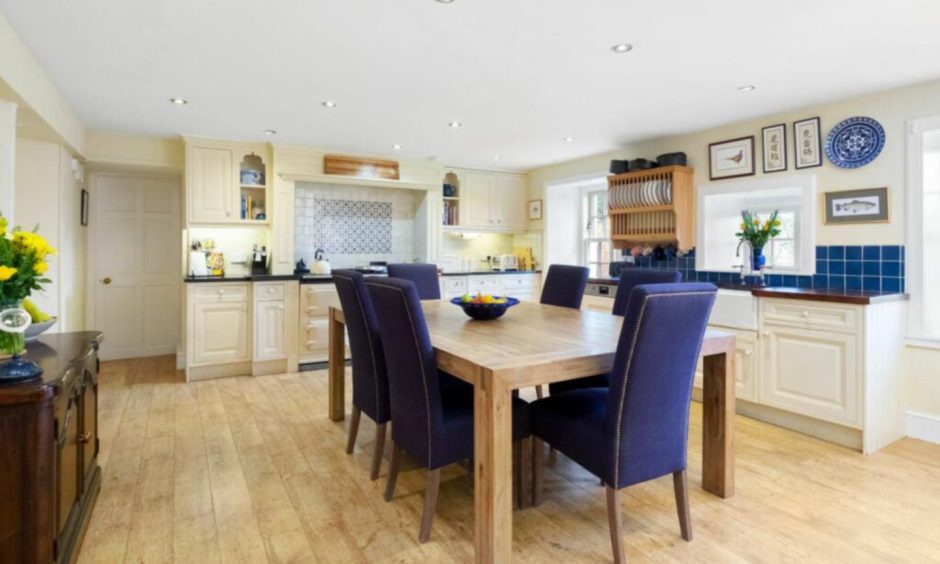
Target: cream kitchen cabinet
{"type": "Point", "coordinates": [271, 323]}
{"type": "Point", "coordinates": [220, 324]}
{"type": "Point", "coordinates": [211, 184]}
{"type": "Point", "coordinates": [491, 201]}
{"type": "Point", "coordinates": [315, 303]}
{"type": "Point", "coordinates": [523, 286]}
{"type": "Point", "coordinates": [746, 364]}
{"type": "Point", "coordinates": [598, 304]}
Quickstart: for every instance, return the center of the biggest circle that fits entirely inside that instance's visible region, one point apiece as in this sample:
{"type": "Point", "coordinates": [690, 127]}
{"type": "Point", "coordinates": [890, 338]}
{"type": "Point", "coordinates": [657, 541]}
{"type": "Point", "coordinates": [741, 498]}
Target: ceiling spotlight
{"type": "Point", "coordinates": [444, 1]}
{"type": "Point", "coordinates": [270, 132]}
{"type": "Point", "coordinates": [397, 147]}
{"type": "Point", "coordinates": [455, 124]}
{"type": "Point", "coordinates": [569, 138]}
{"type": "Point", "coordinates": [622, 48]}
{"type": "Point", "coordinates": [178, 101]}
{"type": "Point", "coordinates": [495, 157]}
{"type": "Point", "coordinates": [746, 88]}
{"type": "Point", "coordinates": [329, 104]}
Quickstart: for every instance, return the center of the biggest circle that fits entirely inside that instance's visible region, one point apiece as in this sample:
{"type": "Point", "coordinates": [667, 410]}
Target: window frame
{"type": "Point", "coordinates": [917, 333]}
{"type": "Point", "coordinates": [587, 220]}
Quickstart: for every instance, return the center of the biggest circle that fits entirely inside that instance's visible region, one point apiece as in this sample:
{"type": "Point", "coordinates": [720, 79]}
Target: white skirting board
{"type": "Point", "coordinates": [923, 426]}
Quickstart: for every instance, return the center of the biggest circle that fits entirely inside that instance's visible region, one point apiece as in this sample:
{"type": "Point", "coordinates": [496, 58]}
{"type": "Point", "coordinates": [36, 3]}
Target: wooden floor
{"type": "Point", "coordinates": [251, 470]}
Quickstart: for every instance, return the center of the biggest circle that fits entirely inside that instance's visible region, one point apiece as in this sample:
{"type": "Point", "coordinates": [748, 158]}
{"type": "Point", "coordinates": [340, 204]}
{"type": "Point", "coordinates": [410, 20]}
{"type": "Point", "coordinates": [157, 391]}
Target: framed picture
{"type": "Point", "coordinates": [535, 209]}
{"type": "Point", "coordinates": [83, 214]}
{"type": "Point", "coordinates": [732, 158]}
{"type": "Point", "coordinates": [774, 145]}
{"type": "Point", "coordinates": [857, 206]}
{"type": "Point", "coordinates": [807, 144]}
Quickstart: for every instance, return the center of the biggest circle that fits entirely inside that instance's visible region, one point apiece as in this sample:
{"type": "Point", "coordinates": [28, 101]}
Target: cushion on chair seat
{"type": "Point", "coordinates": [574, 423]}
{"type": "Point", "coordinates": [599, 381]}
{"type": "Point", "coordinates": [457, 409]}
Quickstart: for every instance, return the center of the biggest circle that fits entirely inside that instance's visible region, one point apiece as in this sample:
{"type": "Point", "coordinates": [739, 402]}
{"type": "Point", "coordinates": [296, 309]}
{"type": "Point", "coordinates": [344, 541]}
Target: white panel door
{"type": "Point", "coordinates": [212, 185]}
{"type": "Point", "coordinates": [815, 373]}
{"type": "Point", "coordinates": [137, 265]}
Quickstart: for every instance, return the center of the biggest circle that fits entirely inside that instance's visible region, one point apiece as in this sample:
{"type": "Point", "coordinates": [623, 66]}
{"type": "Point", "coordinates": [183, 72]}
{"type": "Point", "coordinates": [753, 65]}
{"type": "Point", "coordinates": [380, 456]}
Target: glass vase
{"type": "Point", "coordinates": [14, 321]}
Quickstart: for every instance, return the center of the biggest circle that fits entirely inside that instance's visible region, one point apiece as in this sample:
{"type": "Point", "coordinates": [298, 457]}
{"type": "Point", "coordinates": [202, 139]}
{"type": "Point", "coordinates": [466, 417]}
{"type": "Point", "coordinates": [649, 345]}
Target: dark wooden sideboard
{"type": "Point", "coordinates": [49, 474]}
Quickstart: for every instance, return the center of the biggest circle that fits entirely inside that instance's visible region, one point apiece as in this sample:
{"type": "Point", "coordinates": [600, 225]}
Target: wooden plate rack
{"type": "Point", "coordinates": [660, 207]}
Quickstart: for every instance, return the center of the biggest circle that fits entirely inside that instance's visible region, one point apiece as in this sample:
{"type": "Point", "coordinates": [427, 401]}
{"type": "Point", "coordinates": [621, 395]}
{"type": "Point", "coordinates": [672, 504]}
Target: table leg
{"type": "Point", "coordinates": [718, 424]}
{"type": "Point", "coordinates": [492, 407]}
{"type": "Point", "coordinates": [337, 365]}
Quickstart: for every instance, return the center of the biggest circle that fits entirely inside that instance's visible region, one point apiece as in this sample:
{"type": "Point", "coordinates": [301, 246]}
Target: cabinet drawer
{"type": "Point", "coordinates": [816, 316]}
{"type": "Point", "coordinates": [317, 299]}
{"type": "Point", "coordinates": [513, 284]}
{"type": "Point", "coordinates": [269, 291]}
{"type": "Point", "coordinates": [484, 284]}
{"type": "Point", "coordinates": [216, 293]}
{"type": "Point", "coordinates": [453, 286]}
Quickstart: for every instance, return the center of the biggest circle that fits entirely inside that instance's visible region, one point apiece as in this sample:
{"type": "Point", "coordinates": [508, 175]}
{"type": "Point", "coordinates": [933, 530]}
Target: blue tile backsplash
{"type": "Point", "coordinates": [852, 267]}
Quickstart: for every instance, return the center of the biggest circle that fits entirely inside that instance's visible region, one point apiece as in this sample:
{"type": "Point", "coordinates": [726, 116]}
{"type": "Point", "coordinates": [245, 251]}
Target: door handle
{"type": "Point", "coordinates": [106, 281]}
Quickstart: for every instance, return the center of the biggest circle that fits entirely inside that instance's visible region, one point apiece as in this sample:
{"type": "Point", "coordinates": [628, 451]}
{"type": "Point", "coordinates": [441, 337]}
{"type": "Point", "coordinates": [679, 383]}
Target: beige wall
{"type": "Point", "coordinates": [117, 150]}
{"type": "Point", "coordinates": [892, 109]}
{"type": "Point", "coordinates": [48, 195]}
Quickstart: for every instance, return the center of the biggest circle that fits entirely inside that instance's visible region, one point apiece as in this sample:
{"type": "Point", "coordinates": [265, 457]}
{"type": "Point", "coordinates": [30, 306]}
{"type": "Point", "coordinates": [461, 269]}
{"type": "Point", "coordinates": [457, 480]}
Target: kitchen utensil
{"type": "Point", "coordinates": [320, 265]}
{"type": "Point", "coordinates": [619, 167]}
{"type": "Point", "coordinates": [670, 159]}
{"type": "Point", "coordinates": [641, 164]}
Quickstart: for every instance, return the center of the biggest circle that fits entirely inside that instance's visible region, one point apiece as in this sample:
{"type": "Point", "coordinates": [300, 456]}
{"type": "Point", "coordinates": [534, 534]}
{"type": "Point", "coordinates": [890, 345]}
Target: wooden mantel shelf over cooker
{"type": "Point", "coordinates": [49, 473]}
{"type": "Point", "coordinates": [650, 207]}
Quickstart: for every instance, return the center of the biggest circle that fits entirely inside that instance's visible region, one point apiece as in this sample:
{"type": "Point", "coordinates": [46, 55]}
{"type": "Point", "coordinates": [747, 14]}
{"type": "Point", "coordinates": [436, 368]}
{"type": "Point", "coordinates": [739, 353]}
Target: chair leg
{"type": "Point", "coordinates": [615, 522]}
{"type": "Point", "coordinates": [393, 472]}
{"type": "Point", "coordinates": [525, 473]}
{"type": "Point", "coordinates": [538, 392]}
{"type": "Point", "coordinates": [353, 429]}
{"type": "Point", "coordinates": [538, 468]}
{"type": "Point", "coordinates": [430, 504]}
{"type": "Point", "coordinates": [681, 482]}
{"type": "Point", "coordinates": [378, 451]}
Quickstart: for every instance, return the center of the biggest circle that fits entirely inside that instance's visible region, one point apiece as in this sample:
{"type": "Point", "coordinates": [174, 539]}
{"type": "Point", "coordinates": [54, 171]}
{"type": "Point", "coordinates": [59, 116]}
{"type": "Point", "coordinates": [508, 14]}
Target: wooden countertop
{"type": "Point", "coordinates": [856, 297]}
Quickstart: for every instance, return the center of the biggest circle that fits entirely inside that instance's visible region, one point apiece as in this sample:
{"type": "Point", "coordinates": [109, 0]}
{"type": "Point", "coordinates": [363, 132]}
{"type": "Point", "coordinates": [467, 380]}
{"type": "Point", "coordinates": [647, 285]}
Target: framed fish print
{"type": "Point", "coordinates": [857, 206]}
{"type": "Point", "coordinates": [774, 145]}
{"type": "Point", "coordinates": [731, 159]}
{"type": "Point", "coordinates": [807, 144]}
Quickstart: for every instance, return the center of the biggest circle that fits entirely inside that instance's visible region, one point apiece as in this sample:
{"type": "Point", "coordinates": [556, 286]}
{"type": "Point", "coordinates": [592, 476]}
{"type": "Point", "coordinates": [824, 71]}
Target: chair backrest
{"type": "Point", "coordinates": [423, 275]}
{"type": "Point", "coordinates": [632, 277]}
{"type": "Point", "coordinates": [564, 285]}
{"type": "Point", "coordinates": [370, 379]}
{"type": "Point", "coordinates": [651, 382]}
{"type": "Point", "coordinates": [412, 368]}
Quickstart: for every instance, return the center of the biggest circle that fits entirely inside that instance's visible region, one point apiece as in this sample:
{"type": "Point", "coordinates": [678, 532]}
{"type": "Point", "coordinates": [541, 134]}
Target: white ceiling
{"type": "Point", "coordinates": [520, 74]}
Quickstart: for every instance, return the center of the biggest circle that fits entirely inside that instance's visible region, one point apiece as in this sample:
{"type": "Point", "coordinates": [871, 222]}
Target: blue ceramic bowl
{"type": "Point", "coordinates": [484, 312]}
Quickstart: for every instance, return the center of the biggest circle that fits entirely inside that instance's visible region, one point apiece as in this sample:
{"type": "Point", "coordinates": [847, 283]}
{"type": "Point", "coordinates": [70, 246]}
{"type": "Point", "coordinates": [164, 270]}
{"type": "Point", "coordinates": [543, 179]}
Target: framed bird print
{"type": "Point", "coordinates": [732, 158]}
{"type": "Point", "coordinates": [775, 147]}
{"type": "Point", "coordinates": [807, 143]}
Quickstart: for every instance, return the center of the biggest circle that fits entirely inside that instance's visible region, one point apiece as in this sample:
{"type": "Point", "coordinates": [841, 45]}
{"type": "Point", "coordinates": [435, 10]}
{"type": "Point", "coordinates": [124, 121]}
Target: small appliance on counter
{"type": "Point", "coordinates": [504, 263]}
{"type": "Point", "coordinates": [259, 260]}
{"type": "Point", "coordinates": [301, 268]}
{"type": "Point", "coordinates": [320, 265]}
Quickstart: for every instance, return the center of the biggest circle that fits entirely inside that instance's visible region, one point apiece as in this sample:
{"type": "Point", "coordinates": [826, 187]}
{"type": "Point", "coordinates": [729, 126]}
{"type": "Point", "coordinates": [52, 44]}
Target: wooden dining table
{"type": "Point", "coordinates": [533, 345]}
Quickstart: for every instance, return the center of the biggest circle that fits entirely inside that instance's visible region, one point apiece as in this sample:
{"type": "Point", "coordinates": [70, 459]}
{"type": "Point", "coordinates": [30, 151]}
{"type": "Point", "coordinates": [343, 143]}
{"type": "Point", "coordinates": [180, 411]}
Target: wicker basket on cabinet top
{"type": "Point", "coordinates": [652, 206]}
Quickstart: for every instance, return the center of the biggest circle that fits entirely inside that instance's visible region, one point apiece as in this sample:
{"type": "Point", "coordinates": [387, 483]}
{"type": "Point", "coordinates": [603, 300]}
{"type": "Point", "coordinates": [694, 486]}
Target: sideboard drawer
{"type": "Point", "coordinates": [269, 291]}
{"type": "Point", "coordinates": [224, 292]}
{"type": "Point", "coordinates": [816, 316]}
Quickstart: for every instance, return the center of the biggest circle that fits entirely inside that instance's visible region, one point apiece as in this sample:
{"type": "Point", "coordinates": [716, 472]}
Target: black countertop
{"type": "Point", "coordinates": [488, 272]}
{"type": "Point", "coordinates": [322, 278]}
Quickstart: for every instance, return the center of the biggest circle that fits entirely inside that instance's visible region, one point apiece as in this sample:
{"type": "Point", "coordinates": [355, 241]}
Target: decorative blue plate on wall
{"type": "Point", "coordinates": [855, 142]}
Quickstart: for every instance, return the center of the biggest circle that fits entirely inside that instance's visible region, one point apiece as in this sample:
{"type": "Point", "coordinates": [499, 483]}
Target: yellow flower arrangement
{"type": "Point", "coordinates": [23, 265]}
{"type": "Point", "coordinates": [6, 273]}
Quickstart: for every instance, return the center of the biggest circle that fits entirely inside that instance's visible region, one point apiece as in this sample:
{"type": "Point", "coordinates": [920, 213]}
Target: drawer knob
{"type": "Point", "coordinates": [748, 353]}
{"type": "Point", "coordinates": [221, 291]}
{"type": "Point", "coordinates": [805, 314]}
{"type": "Point", "coordinates": [270, 290]}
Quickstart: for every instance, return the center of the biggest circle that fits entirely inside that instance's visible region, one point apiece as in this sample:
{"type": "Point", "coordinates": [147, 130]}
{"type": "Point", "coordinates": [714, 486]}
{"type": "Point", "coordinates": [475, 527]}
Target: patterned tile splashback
{"type": "Point", "coordinates": [352, 224]}
{"type": "Point", "coordinates": [878, 268]}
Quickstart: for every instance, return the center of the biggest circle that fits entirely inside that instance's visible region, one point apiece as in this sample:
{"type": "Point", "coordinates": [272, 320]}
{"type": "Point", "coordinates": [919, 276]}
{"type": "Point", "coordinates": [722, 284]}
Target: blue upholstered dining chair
{"type": "Point", "coordinates": [629, 279]}
{"type": "Point", "coordinates": [423, 275]}
{"type": "Point", "coordinates": [564, 285]}
{"type": "Point", "coordinates": [370, 382]}
{"type": "Point", "coordinates": [637, 429]}
{"type": "Point", "coordinates": [632, 277]}
{"type": "Point", "coordinates": [431, 423]}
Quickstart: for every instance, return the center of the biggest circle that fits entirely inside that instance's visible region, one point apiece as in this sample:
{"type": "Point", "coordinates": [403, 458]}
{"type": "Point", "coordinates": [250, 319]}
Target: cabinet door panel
{"type": "Point", "coordinates": [477, 200]}
{"type": "Point", "coordinates": [89, 430]}
{"type": "Point", "coordinates": [317, 299]}
{"type": "Point", "coordinates": [212, 185]}
{"type": "Point", "coordinates": [746, 365]}
{"type": "Point", "coordinates": [510, 202]}
{"type": "Point", "coordinates": [814, 373]}
{"type": "Point", "coordinates": [270, 330]}
{"type": "Point", "coordinates": [221, 333]}
{"type": "Point", "coordinates": [68, 488]}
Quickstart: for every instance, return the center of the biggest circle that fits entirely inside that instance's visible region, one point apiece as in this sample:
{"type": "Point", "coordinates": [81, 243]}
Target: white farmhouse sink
{"type": "Point", "coordinates": [735, 309]}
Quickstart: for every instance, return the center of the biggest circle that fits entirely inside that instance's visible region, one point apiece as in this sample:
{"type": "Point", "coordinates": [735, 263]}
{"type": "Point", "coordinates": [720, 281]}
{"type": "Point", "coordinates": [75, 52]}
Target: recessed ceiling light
{"type": "Point", "coordinates": [329, 104]}
{"type": "Point", "coordinates": [569, 138]}
{"type": "Point", "coordinates": [622, 48]}
{"type": "Point", "coordinates": [178, 101]}
{"type": "Point", "coordinates": [495, 157]}
{"type": "Point", "coordinates": [746, 88]}
{"type": "Point", "coordinates": [445, 1]}
{"type": "Point", "coordinates": [397, 147]}
{"type": "Point", "coordinates": [455, 124]}
{"type": "Point", "coordinates": [270, 132]}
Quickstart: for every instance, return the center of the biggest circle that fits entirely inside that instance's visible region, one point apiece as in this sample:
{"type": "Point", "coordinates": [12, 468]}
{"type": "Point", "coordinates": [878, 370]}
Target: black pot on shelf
{"type": "Point", "coordinates": [641, 164]}
{"type": "Point", "coordinates": [671, 159]}
{"type": "Point", "coordinates": [619, 167]}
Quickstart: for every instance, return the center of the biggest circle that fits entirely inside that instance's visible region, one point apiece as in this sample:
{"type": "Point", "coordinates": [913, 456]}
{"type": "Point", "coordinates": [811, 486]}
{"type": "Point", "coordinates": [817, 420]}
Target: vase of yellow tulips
{"type": "Point", "coordinates": [23, 265]}
{"type": "Point", "coordinates": [758, 233]}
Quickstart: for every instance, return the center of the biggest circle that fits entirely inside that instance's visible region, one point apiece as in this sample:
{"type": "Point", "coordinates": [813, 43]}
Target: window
{"type": "Point", "coordinates": [923, 236]}
{"type": "Point", "coordinates": [720, 205]}
{"type": "Point", "coordinates": [596, 245]}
